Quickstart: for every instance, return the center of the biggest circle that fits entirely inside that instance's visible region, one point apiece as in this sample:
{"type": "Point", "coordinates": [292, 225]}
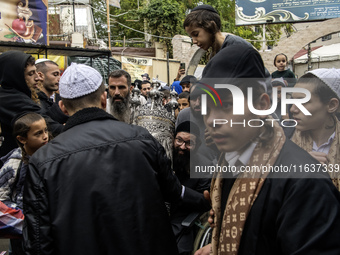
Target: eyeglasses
{"type": "Point", "coordinates": [188, 144]}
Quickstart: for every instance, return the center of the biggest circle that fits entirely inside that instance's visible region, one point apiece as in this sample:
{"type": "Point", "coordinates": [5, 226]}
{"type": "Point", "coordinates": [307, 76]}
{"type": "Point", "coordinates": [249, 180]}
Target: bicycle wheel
{"type": "Point", "coordinates": [203, 237]}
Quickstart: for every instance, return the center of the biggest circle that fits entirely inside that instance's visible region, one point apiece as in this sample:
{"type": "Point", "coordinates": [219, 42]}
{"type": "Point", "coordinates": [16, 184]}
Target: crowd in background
{"type": "Point", "coordinates": [78, 177]}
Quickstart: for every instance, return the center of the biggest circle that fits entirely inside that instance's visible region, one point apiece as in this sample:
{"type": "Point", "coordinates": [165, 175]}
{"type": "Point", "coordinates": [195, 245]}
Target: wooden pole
{"type": "Point", "coordinates": [264, 45]}
{"type": "Point", "coordinates": [74, 19]}
{"type": "Point", "coordinates": [108, 22]}
{"type": "Point", "coordinates": [309, 54]}
{"type": "Point", "coordinates": [168, 68]}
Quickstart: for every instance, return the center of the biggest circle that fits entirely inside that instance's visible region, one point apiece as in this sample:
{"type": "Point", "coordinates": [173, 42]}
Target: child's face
{"type": "Point", "coordinates": [319, 111]}
{"type": "Point", "coordinates": [280, 62]}
{"type": "Point", "coordinates": [145, 89]}
{"type": "Point", "coordinates": [186, 87]}
{"type": "Point", "coordinates": [231, 137]}
{"type": "Point", "coordinates": [182, 103]}
{"type": "Point", "coordinates": [200, 37]}
{"type": "Point", "coordinates": [37, 136]}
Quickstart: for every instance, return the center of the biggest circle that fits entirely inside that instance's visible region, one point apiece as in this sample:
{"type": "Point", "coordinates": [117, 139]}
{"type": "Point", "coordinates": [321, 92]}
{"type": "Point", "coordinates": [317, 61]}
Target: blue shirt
{"type": "Point", "coordinates": [177, 86]}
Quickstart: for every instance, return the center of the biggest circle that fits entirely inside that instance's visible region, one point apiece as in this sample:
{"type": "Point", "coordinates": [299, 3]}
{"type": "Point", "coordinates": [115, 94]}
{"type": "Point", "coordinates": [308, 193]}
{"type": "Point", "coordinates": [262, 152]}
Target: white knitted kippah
{"type": "Point", "coordinates": [40, 60]}
{"type": "Point", "coordinates": [331, 77]}
{"type": "Point", "coordinates": [79, 80]}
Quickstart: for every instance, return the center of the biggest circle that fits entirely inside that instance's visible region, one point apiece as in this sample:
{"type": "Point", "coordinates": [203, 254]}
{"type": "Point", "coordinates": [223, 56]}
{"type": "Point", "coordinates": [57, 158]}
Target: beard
{"type": "Point", "coordinates": [196, 114]}
{"type": "Point", "coordinates": [181, 162]}
{"type": "Point", "coordinates": [121, 109]}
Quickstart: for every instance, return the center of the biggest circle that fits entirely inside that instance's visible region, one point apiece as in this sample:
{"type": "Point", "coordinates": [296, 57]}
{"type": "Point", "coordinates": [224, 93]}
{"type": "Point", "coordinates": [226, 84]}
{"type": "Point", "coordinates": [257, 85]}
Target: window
{"type": "Point", "coordinates": [326, 38]}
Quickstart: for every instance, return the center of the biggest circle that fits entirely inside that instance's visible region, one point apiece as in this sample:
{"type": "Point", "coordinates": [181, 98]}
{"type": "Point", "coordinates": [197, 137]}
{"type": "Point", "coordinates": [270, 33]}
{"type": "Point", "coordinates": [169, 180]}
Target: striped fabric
{"type": "Point", "coordinates": [11, 222]}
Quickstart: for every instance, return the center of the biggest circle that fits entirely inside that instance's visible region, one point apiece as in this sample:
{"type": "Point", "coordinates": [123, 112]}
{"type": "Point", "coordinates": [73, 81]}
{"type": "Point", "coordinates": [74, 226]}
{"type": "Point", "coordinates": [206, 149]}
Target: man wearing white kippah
{"type": "Point", "coordinates": [84, 194]}
{"type": "Point", "coordinates": [319, 133]}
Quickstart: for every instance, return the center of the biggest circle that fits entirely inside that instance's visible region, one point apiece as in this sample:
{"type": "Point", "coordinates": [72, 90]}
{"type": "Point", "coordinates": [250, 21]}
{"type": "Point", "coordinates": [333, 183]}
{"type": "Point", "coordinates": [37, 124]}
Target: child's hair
{"type": "Point", "coordinates": [22, 124]}
{"type": "Point", "coordinates": [322, 90]}
{"type": "Point", "coordinates": [184, 94]}
{"type": "Point", "coordinates": [278, 82]}
{"type": "Point", "coordinates": [280, 55]}
{"type": "Point", "coordinates": [203, 18]}
{"type": "Point", "coordinates": [166, 94]}
{"type": "Point", "coordinates": [209, 20]}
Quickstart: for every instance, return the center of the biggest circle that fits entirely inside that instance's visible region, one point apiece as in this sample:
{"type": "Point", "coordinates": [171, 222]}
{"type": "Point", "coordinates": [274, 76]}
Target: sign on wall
{"type": "Point", "coordinates": [23, 21]}
{"type": "Point", "coordinates": [137, 66]}
{"type": "Point", "coordinates": [250, 12]}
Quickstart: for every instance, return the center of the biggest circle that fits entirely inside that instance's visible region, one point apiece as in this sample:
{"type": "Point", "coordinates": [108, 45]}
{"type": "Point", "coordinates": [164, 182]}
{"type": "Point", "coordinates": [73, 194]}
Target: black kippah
{"type": "Point", "coordinates": [205, 7]}
{"type": "Point", "coordinates": [188, 127]}
{"type": "Point", "coordinates": [18, 116]}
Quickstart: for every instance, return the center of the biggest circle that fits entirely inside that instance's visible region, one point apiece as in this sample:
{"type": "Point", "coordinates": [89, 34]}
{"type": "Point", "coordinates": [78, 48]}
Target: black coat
{"type": "Point", "coordinates": [99, 188]}
{"type": "Point", "coordinates": [179, 211]}
{"type": "Point", "coordinates": [51, 108]}
{"type": "Point", "coordinates": [15, 98]}
{"type": "Point", "coordinates": [297, 215]}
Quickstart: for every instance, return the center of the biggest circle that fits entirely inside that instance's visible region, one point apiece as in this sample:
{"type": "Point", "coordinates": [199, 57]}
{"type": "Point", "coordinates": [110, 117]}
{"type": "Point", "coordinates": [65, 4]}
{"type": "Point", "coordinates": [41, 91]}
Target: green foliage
{"type": "Point", "coordinates": [273, 33]}
{"type": "Point", "coordinates": [226, 9]}
{"type": "Point", "coordinates": [164, 18]}
{"type": "Point", "coordinates": [129, 18]}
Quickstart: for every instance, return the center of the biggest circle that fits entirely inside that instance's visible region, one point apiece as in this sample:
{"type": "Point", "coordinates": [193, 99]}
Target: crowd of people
{"type": "Point", "coordinates": [77, 177]}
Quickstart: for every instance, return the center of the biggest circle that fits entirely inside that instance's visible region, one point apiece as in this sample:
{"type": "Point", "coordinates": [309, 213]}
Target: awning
{"type": "Point", "coordinates": [324, 53]}
{"type": "Point", "coordinates": [53, 50]}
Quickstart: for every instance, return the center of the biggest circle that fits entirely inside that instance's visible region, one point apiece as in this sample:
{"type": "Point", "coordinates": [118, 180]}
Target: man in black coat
{"type": "Point", "coordinates": [186, 143]}
{"type": "Point", "coordinates": [17, 75]}
{"type": "Point", "coordinates": [100, 186]}
{"type": "Point", "coordinates": [49, 72]}
{"type": "Point", "coordinates": [271, 197]}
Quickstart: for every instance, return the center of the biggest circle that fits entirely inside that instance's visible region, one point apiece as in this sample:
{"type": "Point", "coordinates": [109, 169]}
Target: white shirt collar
{"type": "Point", "coordinates": [324, 147]}
{"type": "Point", "coordinates": [244, 157]}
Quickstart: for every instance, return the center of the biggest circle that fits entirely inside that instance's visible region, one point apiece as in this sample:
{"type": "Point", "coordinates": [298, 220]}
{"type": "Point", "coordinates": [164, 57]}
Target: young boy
{"type": "Point", "coordinates": [187, 82]}
{"type": "Point", "coordinates": [17, 76]}
{"type": "Point", "coordinates": [183, 100]}
{"type": "Point", "coordinates": [287, 210]}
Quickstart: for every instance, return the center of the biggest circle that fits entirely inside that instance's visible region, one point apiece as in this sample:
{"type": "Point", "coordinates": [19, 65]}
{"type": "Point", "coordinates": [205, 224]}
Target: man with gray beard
{"type": "Point", "coordinates": [118, 103]}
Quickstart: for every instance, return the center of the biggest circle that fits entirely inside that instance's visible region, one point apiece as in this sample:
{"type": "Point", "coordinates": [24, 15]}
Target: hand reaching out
{"type": "Point", "coordinates": [208, 140]}
{"type": "Point", "coordinates": [211, 218]}
{"type": "Point", "coordinates": [204, 250]}
{"type": "Point", "coordinates": [180, 73]}
{"type": "Point", "coordinates": [211, 212]}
